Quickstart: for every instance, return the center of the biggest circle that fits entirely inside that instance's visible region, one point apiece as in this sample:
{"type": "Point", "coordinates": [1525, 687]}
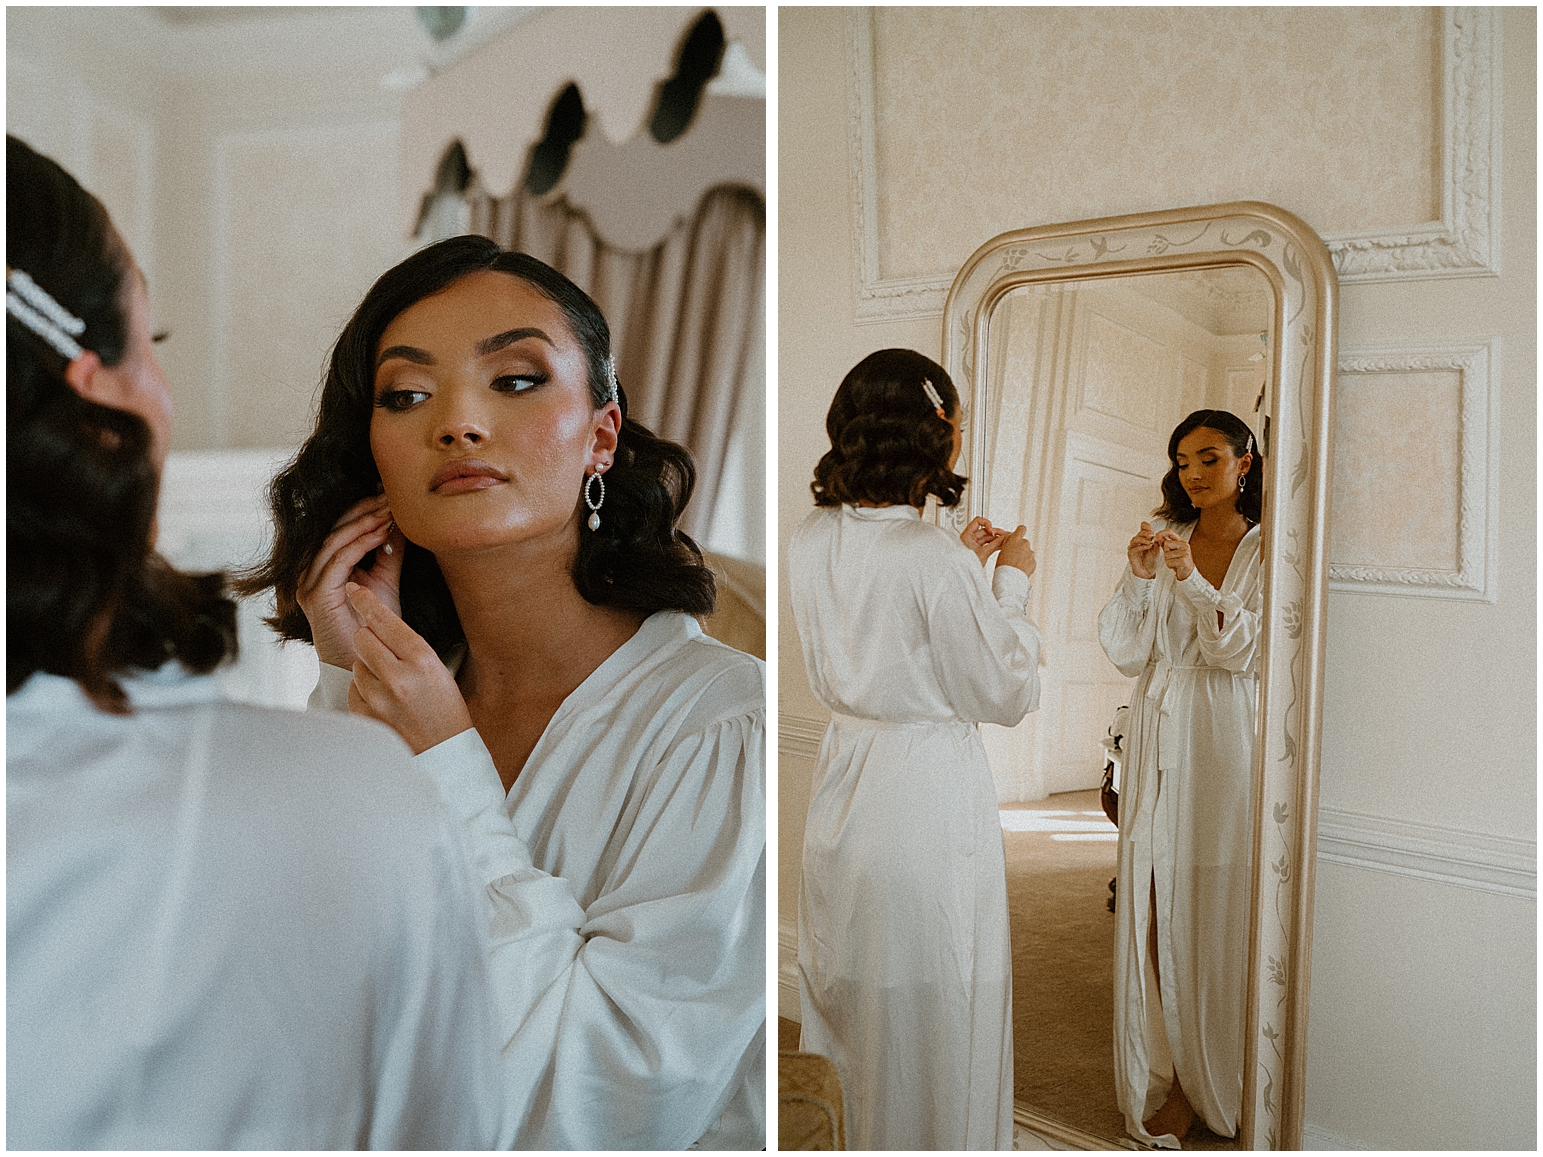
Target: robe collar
{"type": "Point", "coordinates": [171, 685]}
{"type": "Point", "coordinates": [881, 513]}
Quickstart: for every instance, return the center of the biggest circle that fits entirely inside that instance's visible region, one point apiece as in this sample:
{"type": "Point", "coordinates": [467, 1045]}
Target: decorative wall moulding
{"type": "Point", "coordinates": [1475, 540]}
{"type": "Point", "coordinates": [1485, 863]}
{"type": "Point", "coordinates": [1459, 244]}
{"type": "Point", "coordinates": [800, 736]}
{"type": "Point", "coordinates": [787, 964]}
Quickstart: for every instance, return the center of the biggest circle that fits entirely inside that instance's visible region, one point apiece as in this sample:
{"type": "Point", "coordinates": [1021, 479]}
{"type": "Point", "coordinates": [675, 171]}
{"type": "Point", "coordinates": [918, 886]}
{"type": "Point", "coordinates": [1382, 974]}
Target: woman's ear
{"type": "Point", "coordinates": [602, 449]}
{"type": "Point", "coordinates": [84, 374]}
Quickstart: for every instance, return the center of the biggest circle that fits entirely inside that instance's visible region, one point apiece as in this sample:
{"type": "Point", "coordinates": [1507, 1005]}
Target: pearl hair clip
{"type": "Point", "coordinates": [33, 306]}
{"type": "Point", "coordinates": [610, 373]}
{"type": "Point", "coordinates": [933, 397]}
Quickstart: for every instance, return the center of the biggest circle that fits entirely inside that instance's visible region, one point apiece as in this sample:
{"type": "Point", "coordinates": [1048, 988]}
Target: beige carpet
{"type": "Point", "coordinates": [1063, 976]}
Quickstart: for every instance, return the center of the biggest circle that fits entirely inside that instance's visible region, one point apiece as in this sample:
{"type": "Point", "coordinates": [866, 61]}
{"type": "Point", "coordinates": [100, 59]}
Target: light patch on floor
{"type": "Point", "coordinates": [1059, 825]}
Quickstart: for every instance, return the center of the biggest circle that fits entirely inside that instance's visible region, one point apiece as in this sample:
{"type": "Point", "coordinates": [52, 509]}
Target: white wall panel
{"type": "Point", "coordinates": [303, 227]}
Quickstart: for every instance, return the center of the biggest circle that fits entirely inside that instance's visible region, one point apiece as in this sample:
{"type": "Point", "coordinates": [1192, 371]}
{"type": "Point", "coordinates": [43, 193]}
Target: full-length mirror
{"type": "Point", "coordinates": [1175, 944]}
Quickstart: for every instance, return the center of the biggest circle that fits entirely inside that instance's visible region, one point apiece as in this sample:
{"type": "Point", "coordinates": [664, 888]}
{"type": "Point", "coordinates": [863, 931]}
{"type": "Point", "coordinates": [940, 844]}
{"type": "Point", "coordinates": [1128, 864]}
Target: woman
{"type": "Point", "coordinates": [1185, 622]}
{"type": "Point", "coordinates": [904, 966]}
{"type": "Point", "coordinates": [226, 927]}
{"type": "Point", "coordinates": [482, 547]}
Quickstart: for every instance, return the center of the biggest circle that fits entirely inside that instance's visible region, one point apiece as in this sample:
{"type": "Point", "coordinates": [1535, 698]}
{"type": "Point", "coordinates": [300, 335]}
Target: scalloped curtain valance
{"type": "Point", "coordinates": [495, 101]}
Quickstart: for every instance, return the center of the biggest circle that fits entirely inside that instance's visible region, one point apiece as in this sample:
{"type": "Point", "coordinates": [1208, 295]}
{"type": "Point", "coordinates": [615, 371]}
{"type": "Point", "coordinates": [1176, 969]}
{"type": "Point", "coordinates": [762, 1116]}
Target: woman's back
{"type": "Point", "coordinates": [899, 624]}
{"type": "Point", "coordinates": [233, 927]}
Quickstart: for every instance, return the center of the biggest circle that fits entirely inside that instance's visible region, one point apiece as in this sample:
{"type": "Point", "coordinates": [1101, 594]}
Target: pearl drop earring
{"type": "Point", "coordinates": [594, 503]}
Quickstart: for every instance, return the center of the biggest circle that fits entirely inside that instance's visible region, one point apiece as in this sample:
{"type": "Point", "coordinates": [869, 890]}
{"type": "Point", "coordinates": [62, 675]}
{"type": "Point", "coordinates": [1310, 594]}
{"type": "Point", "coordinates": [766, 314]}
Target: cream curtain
{"type": "Point", "coordinates": [685, 315]}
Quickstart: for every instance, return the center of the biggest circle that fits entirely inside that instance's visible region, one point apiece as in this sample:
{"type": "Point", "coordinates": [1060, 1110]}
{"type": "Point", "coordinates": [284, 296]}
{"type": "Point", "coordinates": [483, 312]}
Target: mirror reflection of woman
{"type": "Point", "coordinates": [483, 549]}
{"type": "Point", "coordinates": [904, 966]}
{"type": "Point", "coordinates": [1184, 622]}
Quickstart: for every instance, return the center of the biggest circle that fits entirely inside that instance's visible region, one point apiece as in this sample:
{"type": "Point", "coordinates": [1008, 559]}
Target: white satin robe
{"type": "Point", "coordinates": [229, 927]}
{"type": "Point", "coordinates": [1185, 822]}
{"type": "Point", "coordinates": [905, 971]}
{"type": "Point", "coordinates": [625, 878]}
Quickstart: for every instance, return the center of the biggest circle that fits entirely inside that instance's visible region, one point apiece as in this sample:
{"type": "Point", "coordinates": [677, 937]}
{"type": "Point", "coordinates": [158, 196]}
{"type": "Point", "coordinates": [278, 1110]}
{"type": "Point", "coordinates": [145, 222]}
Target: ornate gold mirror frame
{"type": "Point", "coordinates": [1294, 559]}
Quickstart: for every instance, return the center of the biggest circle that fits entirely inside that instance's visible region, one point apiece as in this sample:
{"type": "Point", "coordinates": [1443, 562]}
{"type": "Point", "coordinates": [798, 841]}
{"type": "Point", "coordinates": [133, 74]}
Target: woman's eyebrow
{"type": "Point", "coordinates": [407, 352]}
{"type": "Point", "coordinates": [486, 346]}
{"type": "Point", "coordinates": [498, 341]}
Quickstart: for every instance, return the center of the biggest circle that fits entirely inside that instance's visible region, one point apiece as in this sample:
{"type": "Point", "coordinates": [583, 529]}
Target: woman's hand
{"type": "Point", "coordinates": [399, 680]}
{"type": "Point", "coordinates": [1176, 553]}
{"type": "Point", "coordinates": [365, 526]}
{"type": "Point", "coordinates": [1016, 552]}
{"type": "Point", "coordinates": [1143, 551]}
{"type": "Point", "coordinates": [982, 538]}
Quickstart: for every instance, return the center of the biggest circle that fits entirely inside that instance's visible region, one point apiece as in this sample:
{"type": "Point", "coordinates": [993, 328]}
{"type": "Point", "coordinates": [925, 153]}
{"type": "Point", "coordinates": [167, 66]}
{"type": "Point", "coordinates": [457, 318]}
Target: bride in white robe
{"type": "Point", "coordinates": [1185, 821]}
{"type": "Point", "coordinates": [604, 757]}
{"type": "Point", "coordinates": [905, 973]}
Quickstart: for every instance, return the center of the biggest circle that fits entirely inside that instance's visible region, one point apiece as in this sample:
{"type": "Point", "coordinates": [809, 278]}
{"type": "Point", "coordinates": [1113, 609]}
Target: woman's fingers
{"type": "Point", "coordinates": [361, 529]}
{"type": "Point", "coordinates": [981, 537]}
{"type": "Point", "coordinates": [399, 680]}
{"type": "Point", "coordinates": [386, 626]}
{"type": "Point", "coordinates": [1016, 552]}
{"type": "Point", "coordinates": [384, 578]}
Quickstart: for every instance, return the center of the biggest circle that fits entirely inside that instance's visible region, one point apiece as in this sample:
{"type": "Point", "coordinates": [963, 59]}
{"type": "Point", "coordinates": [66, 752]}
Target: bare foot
{"type": "Point", "coordinates": [1175, 1116]}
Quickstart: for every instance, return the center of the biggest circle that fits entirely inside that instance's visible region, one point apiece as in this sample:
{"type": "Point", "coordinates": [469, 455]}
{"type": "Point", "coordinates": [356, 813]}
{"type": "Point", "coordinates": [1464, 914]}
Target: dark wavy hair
{"type": "Point", "coordinates": [1176, 505]}
{"type": "Point", "coordinates": [86, 597]}
{"type": "Point", "coordinates": [887, 444]}
{"type": "Point", "coordinates": [637, 559]}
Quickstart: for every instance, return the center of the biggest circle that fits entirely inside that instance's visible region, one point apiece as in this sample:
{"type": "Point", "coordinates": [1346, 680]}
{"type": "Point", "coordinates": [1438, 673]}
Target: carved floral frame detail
{"type": "Point", "coordinates": [1294, 559]}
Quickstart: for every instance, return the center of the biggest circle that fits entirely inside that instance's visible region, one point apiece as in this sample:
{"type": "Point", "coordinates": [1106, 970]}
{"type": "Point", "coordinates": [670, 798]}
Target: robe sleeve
{"type": "Point", "coordinates": [1125, 629]}
{"type": "Point", "coordinates": [630, 1024]}
{"type": "Point", "coordinates": [331, 690]}
{"type": "Point", "coordinates": [1233, 642]}
{"type": "Point", "coordinates": [984, 651]}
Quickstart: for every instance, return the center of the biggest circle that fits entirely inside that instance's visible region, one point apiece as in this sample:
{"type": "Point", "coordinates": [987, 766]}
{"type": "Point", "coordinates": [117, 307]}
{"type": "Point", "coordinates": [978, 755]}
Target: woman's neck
{"type": "Point", "coordinates": [530, 635]}
{"type": "Point", "coordinates": [1222, 523]}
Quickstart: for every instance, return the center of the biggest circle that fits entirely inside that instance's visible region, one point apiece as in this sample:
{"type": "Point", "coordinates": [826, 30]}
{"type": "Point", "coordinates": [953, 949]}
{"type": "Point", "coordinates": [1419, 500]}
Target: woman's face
{"type": "Point", "coordinates": [137, 383]}
{"type": "Point", "coordinates": [483, 427]}
{"type": "Point", "coordinates": [1208, 468]}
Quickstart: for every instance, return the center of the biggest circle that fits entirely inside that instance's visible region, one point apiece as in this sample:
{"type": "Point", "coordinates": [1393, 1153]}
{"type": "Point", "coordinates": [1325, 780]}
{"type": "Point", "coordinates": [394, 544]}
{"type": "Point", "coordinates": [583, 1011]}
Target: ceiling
{"type": "Point", "coordinates": [1222, 301]}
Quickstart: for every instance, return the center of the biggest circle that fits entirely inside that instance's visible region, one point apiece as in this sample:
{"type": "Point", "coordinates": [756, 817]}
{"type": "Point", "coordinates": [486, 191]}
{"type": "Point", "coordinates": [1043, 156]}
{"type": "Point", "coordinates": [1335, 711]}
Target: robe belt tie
{"type": "Point", "coordinates": [1162, 670]}
{"type": "Point", "coordinates": [891, 725]}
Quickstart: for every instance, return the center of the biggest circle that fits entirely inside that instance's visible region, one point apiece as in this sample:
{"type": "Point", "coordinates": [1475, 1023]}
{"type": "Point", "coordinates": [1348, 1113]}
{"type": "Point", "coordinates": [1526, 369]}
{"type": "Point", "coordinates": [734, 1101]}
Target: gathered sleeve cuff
{"type": "Point", "coordinates": [1125, 626]}
{"type": "Point", "coordinates": [1011, 588]}
{"type": "Point", "coordinates": [331, 692]}
{"type": "Point", "coordinates": [1228, 628]}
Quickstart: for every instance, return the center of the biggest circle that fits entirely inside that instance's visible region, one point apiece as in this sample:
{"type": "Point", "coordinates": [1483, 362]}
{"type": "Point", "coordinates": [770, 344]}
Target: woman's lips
{"type": "Point", "coordinates": [466, 475]}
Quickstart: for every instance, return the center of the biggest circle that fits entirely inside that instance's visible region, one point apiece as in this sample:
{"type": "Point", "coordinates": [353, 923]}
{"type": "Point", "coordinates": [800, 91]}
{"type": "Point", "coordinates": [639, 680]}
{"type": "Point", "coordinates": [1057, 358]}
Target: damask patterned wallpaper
{"type": "Point", "coordinates": [1331, 113]}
